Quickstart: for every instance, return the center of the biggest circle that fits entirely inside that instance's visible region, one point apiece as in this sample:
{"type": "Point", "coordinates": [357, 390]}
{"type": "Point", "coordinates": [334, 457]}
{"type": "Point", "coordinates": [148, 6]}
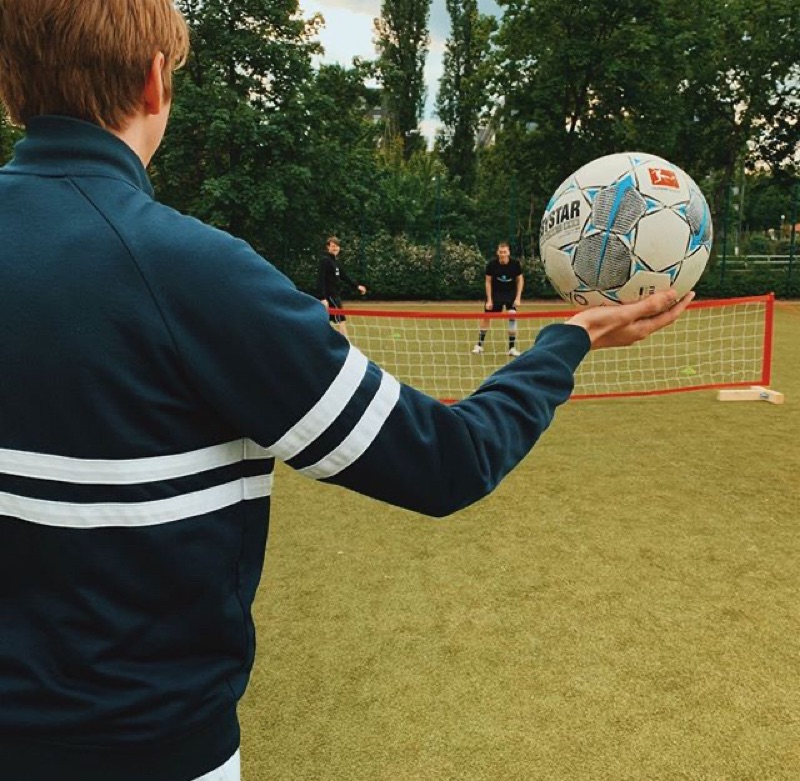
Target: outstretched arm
{"type": "Point", "coordinates": [350, 281]}
{"type": "Point", "coordinates": [333, 415]}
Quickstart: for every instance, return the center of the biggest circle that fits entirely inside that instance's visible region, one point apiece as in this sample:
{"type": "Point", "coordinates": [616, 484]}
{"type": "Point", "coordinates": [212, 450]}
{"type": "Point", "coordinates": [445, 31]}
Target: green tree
{"type": "Point", "coordinates": [768, 199]}
{"type": "Point", "coordinates": [231, 153]}
{"type": "Point", "coordinates": [740, 92]}
{"type": "Point", "coordinates": [338, 145]}
{"type": "Point", "coordinates": [462, 88]}
{"type": "Point", "coordinates": [401, 37]}
{"type": "Point", "coordinates": [712, 86]}
{"type": "Point", "coordinates": [577, 81]}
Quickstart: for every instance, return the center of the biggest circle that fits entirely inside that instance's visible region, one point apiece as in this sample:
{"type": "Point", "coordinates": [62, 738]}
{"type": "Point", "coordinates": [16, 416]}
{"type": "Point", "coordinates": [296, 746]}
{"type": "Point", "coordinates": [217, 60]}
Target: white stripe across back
{"type": "Point", "coordinates": [326, 410]}
{"type": "Point", "coordinates": [127, 471]}
{"type": "Point", "coordinates": [76, 515]}
{"type": "Point", "coordinates": [362, 435]}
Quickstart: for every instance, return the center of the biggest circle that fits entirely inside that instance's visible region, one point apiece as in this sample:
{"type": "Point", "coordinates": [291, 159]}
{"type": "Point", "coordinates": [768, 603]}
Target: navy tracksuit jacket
{"type": "Point", "coordinates": [151, 370]}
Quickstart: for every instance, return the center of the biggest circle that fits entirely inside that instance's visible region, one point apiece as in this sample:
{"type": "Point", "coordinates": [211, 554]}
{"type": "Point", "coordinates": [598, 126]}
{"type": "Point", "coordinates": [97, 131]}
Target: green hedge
{"type": "Point", "coordinates": [750, 280]}
{"type": "Point", "coordinates": [737, 281]}
{"type": "Point", "coordinates": [394, 268]}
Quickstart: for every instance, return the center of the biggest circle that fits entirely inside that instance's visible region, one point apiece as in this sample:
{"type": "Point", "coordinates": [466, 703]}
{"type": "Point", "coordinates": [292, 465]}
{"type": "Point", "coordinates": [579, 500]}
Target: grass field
{"type": "Point", "coordinates": [626, 606]}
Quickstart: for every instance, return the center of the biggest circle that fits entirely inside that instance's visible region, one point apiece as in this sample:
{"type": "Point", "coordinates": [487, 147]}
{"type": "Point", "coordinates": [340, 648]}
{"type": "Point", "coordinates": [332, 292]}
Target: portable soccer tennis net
{"type": "Point", "coordinates": [715, 344]}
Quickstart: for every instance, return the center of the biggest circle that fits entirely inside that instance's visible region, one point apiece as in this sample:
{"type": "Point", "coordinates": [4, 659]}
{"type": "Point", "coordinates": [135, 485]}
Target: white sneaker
{"type": "Point", "coordinates": [514, 352]}
{"type": "Point", "coordinates": [477, 349]}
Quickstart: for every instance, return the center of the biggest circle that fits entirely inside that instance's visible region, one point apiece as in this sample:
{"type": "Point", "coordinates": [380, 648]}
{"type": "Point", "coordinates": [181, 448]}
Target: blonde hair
{"type": "Point", "coordinates": [87, 59]}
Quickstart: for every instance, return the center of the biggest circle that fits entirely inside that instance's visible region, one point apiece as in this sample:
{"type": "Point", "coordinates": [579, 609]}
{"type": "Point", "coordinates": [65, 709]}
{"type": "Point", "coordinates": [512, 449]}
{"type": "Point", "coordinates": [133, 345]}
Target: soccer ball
{"type": "Point", "coordinates": [623, 227]}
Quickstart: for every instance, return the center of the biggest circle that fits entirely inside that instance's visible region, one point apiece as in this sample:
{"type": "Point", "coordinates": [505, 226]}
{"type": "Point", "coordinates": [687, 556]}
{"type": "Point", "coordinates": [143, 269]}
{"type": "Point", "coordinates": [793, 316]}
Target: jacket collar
{"type": "Point", "coordinates": [62, 146]}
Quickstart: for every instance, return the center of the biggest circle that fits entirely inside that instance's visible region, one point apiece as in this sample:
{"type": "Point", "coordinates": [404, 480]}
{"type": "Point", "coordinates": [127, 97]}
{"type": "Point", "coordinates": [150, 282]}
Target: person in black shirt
{"type": "Point", "coordinates": [504, 284]}
{"type": "Point", "coordinates": [330, 272]}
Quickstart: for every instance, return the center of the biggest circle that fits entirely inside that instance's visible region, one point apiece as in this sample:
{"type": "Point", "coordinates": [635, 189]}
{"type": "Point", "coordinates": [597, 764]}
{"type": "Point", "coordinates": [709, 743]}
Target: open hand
{"type": "Point", "coordinates": [620, 326]}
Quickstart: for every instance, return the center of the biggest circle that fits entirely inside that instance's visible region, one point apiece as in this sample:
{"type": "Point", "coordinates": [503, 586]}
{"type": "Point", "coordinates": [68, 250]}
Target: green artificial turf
{"type": "Point", "coordinates": [626, 606]}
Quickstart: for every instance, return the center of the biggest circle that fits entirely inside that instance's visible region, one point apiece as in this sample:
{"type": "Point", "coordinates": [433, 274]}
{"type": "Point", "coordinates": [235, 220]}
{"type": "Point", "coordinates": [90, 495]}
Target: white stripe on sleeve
{"type": "Point", "coordinates": [362, 435]}
{"type": "Point", "coordinates": [326, 410]}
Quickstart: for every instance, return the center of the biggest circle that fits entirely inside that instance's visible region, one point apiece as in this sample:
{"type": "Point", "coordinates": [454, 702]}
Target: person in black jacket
{"type": "Point", "coordinates": [154, 368]}
{"type": "Point", "coordinates": [329, 289]}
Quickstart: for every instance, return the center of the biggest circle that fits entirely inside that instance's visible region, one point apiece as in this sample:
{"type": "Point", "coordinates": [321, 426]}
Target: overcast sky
{"type": "Point", "coordinates": [348, 34]}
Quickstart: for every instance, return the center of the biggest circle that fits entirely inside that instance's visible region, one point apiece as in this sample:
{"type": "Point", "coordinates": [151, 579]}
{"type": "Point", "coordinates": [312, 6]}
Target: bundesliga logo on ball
{"type": "Point", "coordinates": [623, 227]}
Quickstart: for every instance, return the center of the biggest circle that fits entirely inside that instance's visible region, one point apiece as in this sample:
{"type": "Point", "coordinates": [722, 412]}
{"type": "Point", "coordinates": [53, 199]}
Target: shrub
{"type": "Point", "coordinates": [395, 268]}
{"type": "Point", "coordinates": [750, 280]}
{"type": "Point", "coordinates": [756, 245]}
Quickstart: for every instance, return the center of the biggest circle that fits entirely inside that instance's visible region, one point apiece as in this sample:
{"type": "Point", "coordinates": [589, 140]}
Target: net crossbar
{"type": "Point", "coordinates": [716, 344]}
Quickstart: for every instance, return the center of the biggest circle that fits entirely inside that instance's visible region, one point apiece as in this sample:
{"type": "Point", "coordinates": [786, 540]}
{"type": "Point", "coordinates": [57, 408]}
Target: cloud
{"type": "Point", "coordinates": [368, 7]}
{"type": "Point", "coordinates": [429, 128]}
{"type": "Point", "coordinates": [434, 68]}
{"type": "Point", "coordinates": [346, 34]}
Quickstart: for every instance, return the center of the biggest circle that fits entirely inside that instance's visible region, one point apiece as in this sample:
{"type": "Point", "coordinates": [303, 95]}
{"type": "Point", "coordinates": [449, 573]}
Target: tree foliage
{"type": "Point", "coordinates": [706, 85]}
{"type": "Point", "coordinates": [740, 93]}
{"type": "Point", "coordinates": [571, 85]}
{"type": "Point", "coordinates": [401, 38]}
{"type": "Point", "coordinates": [232, 154]}
{"type": "Point", "coordinates": [462, 89]}
{"type": "Point", "coordinates": [281, 151]}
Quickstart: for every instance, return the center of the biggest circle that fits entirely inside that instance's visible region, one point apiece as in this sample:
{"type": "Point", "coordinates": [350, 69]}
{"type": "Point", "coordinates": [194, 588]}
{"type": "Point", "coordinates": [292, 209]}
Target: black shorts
{"type": "Point", "coordinates": [335, 303]}
{"type": "Point", "coordinates": [501, 304]}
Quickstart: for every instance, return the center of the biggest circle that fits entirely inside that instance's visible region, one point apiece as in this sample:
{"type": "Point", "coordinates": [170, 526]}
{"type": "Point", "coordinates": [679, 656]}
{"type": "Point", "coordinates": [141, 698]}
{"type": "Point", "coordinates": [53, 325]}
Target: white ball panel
{"type": "Point", "coordinates": [587, 298]}
{"type": "Point", "coordinates": [691, 270]}
{"type": "Point", "coordinates": [662, 239]}
{"type": "Point", "coordinates": [568, 183]}
{"type": "Point", "coordinates": [603, 171]}
{"type": "Point", "coordinates": [643, 284]}
{"type": "Point", "coordinates": [558, 267]}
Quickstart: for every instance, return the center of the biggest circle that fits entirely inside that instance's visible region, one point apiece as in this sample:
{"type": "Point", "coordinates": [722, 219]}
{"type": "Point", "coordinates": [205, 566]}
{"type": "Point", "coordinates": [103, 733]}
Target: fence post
{"type": "Point", "coordinates": [437, 269]}
{"type": "Point", "coordinates": [512, 214]}
{"type": "Point", "coordinates": [725, 210]}
{"type": "Point", "coordinates": [796, 193]}
{"type": "Point", "coordinates": [362, 252]}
